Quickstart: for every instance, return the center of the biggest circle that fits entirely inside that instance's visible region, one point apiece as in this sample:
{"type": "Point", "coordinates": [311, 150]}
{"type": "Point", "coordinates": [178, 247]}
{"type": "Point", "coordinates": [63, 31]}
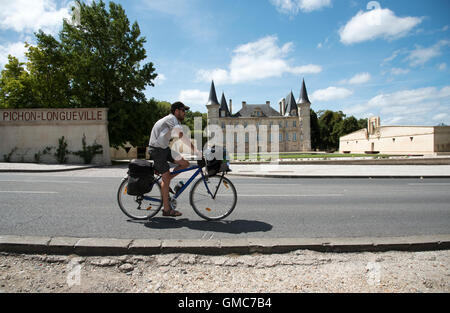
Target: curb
{"type": "Point", "coordinates": [110, 246]}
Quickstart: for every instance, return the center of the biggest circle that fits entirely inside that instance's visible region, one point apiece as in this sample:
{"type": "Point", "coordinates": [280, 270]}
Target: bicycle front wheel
{"type": "Point", "coordinates": [139, 207]}
{"type": "Point", "coordinates": [213, 198]}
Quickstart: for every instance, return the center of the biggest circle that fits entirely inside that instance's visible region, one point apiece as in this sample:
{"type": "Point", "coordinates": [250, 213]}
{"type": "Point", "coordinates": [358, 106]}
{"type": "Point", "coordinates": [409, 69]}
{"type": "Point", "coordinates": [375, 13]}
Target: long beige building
{"type": "Point", "coordinates": [397, 140]}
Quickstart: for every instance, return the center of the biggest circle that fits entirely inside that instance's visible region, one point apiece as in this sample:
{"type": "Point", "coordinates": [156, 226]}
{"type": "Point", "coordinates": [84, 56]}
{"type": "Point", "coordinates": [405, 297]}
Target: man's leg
{"type": "Point", "coordinates": [181, 165]}
{"type": "Point", "coordinates": [165, 184]}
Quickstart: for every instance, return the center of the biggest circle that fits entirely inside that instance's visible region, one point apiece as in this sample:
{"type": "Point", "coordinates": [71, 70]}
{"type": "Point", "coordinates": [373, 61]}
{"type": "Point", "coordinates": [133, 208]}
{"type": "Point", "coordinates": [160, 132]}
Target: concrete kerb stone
{"type": "Point", "coordinates": [102, 246]}
{"type": "Point", "coordinates": [24, 244]}
{"type": "Point", "coordinates": [109, 246]}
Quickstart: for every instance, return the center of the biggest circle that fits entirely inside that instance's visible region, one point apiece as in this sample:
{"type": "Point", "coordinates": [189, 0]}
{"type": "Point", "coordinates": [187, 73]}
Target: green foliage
{"type": "Point", "coordinates": [99, 62]}
{"type": "Point", "coordinates": [37, 156]}
{"type": "Point", "coordinates": [15, 86]}
{"type": "Point", "coordinates": [328, 126]}
{"type": "Point", "coordinates": [88, 152]}
{"type": "Point", "coordinates": [61, 151]}
{"type": "Point", "coordinates": [7, 157]}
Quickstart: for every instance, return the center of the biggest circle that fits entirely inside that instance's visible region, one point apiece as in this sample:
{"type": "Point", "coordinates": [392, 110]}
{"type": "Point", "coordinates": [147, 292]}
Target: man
{"type": "Point", "coordinates": [161, 154]}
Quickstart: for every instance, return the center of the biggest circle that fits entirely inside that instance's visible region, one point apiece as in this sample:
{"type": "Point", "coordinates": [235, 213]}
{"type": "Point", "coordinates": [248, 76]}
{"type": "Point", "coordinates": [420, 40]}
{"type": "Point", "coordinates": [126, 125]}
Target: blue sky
{"type": "Point", "coordinates": [389, 58]}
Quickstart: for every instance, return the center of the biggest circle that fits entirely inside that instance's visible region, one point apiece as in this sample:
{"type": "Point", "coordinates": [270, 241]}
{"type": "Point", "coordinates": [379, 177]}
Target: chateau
{"type": "Point", "coordinates": [257, 121]}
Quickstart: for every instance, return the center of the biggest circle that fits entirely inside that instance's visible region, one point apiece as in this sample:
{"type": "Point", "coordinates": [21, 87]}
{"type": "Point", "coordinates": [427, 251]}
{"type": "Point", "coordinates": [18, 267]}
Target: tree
{"type": "Point", "coordinates": [105, 55]}
{"type": "Point", "coordinates": [95, 63]}
{"type": "Point", "coordinates": [48, 73]}
{"type": "Point", "coordinates": [329, 136]}
{"type": "Point", "coordinates": [315, 131]}
{"type": "Point", "coordinates": [15, 86]}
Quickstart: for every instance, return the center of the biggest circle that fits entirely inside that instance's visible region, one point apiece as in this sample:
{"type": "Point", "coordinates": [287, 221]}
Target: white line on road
{"type": "Point", "coordinates": [429, 184]}
{"type": "Point", "coordinates": [44, 181]}
{"type": "Point", "coordinates": [312, 195]}
{"type": "Point", "coordinates": [21, 191]}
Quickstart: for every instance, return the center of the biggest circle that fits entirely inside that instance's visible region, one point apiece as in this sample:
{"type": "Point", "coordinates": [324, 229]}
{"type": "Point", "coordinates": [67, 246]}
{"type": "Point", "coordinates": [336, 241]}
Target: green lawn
{"type": "Point", "coordinates": [284, 155]}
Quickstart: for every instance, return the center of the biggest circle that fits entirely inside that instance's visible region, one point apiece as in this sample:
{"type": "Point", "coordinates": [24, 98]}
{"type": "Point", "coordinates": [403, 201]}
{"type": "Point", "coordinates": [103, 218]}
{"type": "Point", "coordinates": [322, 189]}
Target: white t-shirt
{"type": "Point", "coordinates": [162, 131]}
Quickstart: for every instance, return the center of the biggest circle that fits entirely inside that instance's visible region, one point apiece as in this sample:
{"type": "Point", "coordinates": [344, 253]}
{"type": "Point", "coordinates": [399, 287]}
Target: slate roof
{"type": "Point", "coordinates": [303, 95]}
{"type": "Point", "coordinates": [291, 108]}
{"type": "Point", "coordinates": [224, 106]}
{"type": "Point", "coordinates": [212, 95]}
{"type": "Point", "coordinates": [248, 109]}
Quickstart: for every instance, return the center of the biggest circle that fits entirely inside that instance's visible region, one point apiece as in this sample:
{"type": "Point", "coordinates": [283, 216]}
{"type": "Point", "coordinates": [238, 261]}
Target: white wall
{"type": "Point", "coordinates": [31, 130]}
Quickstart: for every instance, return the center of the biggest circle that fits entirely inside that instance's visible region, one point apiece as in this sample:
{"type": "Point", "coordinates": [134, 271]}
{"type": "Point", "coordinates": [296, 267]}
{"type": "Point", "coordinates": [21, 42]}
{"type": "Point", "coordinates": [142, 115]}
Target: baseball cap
{"type": "Point", "coordinates": [178, 105]}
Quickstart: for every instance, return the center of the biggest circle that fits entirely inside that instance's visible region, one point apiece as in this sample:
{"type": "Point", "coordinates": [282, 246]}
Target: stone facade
{"type": "Point", "coordinates": [259, 127]}
{"type": "Point", "coordinates": [400, 140]}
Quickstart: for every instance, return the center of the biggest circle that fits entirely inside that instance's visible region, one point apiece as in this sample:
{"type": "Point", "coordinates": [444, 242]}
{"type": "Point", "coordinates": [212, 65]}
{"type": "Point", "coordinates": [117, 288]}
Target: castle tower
{"type": "Point", "coordinates": [223, 110]}
{"type": "Point", "coordinates": [304, 106]}
{"type": "Point", "coordinates": [213, 106]}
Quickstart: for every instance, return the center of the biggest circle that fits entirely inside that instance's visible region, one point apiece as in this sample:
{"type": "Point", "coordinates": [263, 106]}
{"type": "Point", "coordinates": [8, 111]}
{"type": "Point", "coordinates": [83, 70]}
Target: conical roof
{"type": "Point", "coordinates": [212, 95]}
{"type": "Point", "coordinates": [303, 95]}
{"type": "Point", "coordinates": [291, 108]}
{"type": "Point", "coordinates": [224, 106]}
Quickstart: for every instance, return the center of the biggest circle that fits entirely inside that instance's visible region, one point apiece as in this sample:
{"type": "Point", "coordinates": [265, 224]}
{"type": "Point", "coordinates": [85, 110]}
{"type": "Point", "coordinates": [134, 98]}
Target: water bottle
{"type": "Point", "coordinates": [178, 186]}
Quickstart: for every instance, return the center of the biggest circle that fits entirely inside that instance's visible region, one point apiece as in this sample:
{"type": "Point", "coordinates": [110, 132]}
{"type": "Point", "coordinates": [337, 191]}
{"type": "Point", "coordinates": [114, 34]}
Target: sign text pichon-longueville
{"type": "Point", "coordinates": [52, 115]}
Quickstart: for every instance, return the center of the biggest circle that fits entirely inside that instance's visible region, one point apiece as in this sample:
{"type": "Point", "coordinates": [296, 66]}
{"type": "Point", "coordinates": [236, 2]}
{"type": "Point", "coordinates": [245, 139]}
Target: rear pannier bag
{"type": "Point", "coordinates": [140, 177]}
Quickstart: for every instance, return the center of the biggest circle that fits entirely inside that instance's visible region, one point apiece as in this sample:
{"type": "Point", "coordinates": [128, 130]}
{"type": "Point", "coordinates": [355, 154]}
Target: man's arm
{"type": "Point", "coordinates": [188, 142]}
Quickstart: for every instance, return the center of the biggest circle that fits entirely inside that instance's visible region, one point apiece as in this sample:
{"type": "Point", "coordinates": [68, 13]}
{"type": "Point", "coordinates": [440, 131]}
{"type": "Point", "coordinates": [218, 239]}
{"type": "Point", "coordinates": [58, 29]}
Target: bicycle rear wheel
{"type": "Point", "coordinates": [216, 204]}
{"type": "Point", "coordinates": [140, 207]}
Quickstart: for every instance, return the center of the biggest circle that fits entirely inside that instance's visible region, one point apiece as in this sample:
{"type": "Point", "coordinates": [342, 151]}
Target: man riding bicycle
{"type": "Point", "coordinates": [161, 154]}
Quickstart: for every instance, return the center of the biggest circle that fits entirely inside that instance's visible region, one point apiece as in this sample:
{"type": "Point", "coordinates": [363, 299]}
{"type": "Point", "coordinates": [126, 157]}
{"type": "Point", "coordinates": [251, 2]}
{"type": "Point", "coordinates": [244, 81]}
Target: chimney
{"type": "Point", "coordinates": [283, 106]}
{"type": "Point", "coordinates": [244, 104]}
{"type": "Point", "coordinates": [231, 107]}
{"type": "Point", "coordinates": [268, 103]}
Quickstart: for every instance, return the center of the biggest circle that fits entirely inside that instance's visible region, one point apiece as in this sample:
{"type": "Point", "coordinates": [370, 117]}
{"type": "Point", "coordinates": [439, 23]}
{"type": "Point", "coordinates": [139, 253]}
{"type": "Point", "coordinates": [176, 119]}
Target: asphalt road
{"type": "Point", "coordinates": [83, 204]}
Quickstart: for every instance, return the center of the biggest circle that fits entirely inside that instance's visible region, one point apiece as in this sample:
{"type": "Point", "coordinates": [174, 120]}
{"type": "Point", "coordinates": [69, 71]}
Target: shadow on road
{"type": "Point", "coordinates": [231, 227]}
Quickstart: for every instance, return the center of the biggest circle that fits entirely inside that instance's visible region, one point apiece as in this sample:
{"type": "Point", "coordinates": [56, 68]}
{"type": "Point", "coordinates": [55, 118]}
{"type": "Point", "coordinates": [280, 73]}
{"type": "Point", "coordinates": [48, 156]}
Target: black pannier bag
{"type": "Point", "coordinates": [213, 167]}
{"type": "Point", "coordinates": [140, 177]}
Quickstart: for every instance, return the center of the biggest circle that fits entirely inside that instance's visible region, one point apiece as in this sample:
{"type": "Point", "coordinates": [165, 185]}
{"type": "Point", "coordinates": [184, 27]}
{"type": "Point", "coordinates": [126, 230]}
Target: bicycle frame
{"type": "Point", "coordinates": [191, 179]}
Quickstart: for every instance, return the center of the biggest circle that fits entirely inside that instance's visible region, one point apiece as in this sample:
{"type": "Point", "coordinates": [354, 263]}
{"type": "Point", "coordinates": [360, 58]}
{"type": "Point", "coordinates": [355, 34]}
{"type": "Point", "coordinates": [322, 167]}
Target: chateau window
{"type": "Point", "coordinates": [287, 124]}
{"type": "Point", "coordinates": [294, 137]}
{"type": "Point", "coordinates": [246, 137]}
{"type": "Point", "coordinates": [287, 136]}
{"type": "Point", "coordinates": [245, 124]}
{"type": "Point", "coordinates": [279, 124]}
{"type": "Point", "coordinates": [294, 124]}
{"type": "Point", "coordinates": [281, 137]}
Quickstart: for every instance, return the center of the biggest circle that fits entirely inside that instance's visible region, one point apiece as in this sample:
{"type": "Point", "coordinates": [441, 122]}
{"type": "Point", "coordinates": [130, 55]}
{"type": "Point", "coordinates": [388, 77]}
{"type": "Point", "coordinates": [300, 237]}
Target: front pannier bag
{"type": "Point", "coordinates": [140, 177]}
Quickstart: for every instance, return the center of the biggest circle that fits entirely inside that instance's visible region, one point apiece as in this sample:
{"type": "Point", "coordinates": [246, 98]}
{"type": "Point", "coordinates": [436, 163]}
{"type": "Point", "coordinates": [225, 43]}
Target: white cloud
{"type": "Point", "coordinates": [330, 94]}
{"type": "Point", "coordinates": [16, 49]}
{"type": "Point", "coordinates": [442, 66]}
{"type": "Point", "coordinates": [194, 97]}
{"type": "Point", "coordinates": [440, 117]}
{"type": "Point", "coordinates": [160, 79]}
{"type": "Point", "coordinates": [358, 79]}
{"type": "Point", "coordinates": [420, 55]}
{"type": "Point", "coordinates": [257, 60]}
{"type": "Point", "coordinates": [294, 6]}
{"type": "Point", "coordinates": [414, 106]}
{"type": "Point", "coordinates": [30, 16]}
{"type": "Point", "coordinates": [377, 23]}
{"type": "Point", "coordinates": [399, 71]}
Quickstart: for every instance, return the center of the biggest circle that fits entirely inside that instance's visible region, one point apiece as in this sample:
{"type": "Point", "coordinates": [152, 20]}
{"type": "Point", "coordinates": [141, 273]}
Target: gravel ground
{"type": "Point", "coordinates": [299, 271]}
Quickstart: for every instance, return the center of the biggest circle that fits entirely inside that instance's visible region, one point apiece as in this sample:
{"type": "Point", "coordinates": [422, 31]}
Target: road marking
{"type": "Point", "coordinates": [429, 184]}
{"type": "Point", "coordinates": [312, 195]}
{"type": "Point", "coordinates": [44, 181]}
{"type": "Point", "coordinates": [21, 191]}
